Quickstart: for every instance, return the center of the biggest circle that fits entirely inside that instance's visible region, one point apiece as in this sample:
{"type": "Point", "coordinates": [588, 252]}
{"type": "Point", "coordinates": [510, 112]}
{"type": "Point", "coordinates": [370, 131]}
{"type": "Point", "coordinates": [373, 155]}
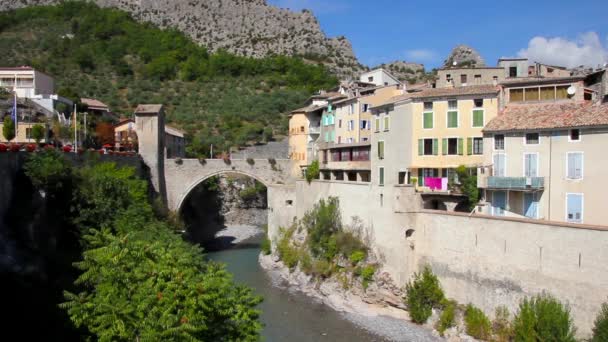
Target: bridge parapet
{"type": "Point", "coordinates": [183, 175]}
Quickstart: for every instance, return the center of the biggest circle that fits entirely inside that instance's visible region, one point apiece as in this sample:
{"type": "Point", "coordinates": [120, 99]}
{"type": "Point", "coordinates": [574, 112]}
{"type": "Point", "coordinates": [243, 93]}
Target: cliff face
{"type": "Point", "coordinates": [244, 27]}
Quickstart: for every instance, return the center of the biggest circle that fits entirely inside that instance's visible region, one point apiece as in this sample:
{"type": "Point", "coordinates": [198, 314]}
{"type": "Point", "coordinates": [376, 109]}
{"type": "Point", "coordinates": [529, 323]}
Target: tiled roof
{"type": "Point", "coordinates": [456, 91]}
{"type": "Point", "coordinates": [174, 131]}
{"type": "Point", "coordinates": [148, 108]}
{"type": "Point", "coordinates": [548, 116]}
{"type": "Point", "coordinates": [93, 103]}
{"type": "Point", "coordinates": [308, 109]}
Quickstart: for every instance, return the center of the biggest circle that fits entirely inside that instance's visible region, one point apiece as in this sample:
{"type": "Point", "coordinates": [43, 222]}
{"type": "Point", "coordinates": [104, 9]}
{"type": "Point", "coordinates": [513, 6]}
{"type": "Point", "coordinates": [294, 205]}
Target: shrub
{"type": "Point", "coordinates": [179, 161]}
{"type": "Point", "coordinates": [38, 133]}
{"type": "Point", "coordinates": [423, 293]}
{"type": "Point", "coordinates": [501, 325]}
{"type": "Point", "coordinates": [447, 318]}
{"type": "Point", "coordinates": [322, 222]}
{"type": "Point", "coordinates": [545, 318]}
{"type": "Point", "coordinates": [477, 323]}
{"type": "Point", "coordinates": [356, 257]}
{"type": "Point", "coordinates": [266, 246]}
{"type": "Point", "coordinates": [287, 252]}
{"type": "Point", "coordinates": [8, 128]}
{"type": "Point", "coordinates": [367, 275]}
{"type": "Point", "coordinates": [250, 161]}
{"type": "Point", "coordinates": [414, 180]}
{"type": "Point", "coordinates": [312, 171]}
{"type": "Point", "coordinates": [600, 327]}
{"type": "Point", "coordinates": [321, 268]}
{"type": "Point", "coordinates": [348, 243]}
{"type": "Point", "coordinates": [202, 161]}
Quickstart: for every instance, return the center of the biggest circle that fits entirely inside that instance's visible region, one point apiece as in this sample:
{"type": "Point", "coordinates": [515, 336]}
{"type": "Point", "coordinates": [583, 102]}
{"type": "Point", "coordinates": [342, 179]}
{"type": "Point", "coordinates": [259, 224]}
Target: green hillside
{"type": "Point", "coordinates": [218, 98]}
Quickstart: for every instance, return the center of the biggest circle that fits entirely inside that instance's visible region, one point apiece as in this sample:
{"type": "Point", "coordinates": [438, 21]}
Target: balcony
{"type": "Point", "coordinates": [314, 129]}
{"type": "Point", "coordinates": [512, 183]}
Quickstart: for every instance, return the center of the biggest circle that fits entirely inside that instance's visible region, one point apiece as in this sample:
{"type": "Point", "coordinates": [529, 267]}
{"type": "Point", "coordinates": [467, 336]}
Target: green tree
{"type": "Point", "coordinates": [423, 294]}
{"type": "Point", "coordinates": [543, 318]}
{"type": "Point", "coordinates": [8, 128]}
{"type": "Point", "coordinates": [38, 133]}
{"type": "Point", "coordinates": [600, 327]}
{"type": "Point", "coordinates": [323, 222]}
{"type": "Point", "coordinates": [468, 185]}
{"type": "Point", "coordinates": [312, 171]}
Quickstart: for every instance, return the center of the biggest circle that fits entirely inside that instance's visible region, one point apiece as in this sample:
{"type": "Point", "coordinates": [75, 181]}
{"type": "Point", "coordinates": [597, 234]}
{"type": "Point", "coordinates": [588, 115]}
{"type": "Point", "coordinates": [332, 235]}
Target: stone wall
{"type": "Point", "coordinates": [479, 259]}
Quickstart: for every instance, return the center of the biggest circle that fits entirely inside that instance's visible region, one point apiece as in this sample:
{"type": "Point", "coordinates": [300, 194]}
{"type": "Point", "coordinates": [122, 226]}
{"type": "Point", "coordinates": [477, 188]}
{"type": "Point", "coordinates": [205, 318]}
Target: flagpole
{"type": "Point", "coordinates": [16, 124]}
{"type": "Point", "coordinates": [75, 130]}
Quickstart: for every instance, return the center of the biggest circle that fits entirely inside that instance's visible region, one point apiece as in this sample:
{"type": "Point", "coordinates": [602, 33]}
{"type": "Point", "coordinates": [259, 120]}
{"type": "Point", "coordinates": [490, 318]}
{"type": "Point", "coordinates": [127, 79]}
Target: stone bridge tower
{"type": "Point", "coordinates": [150, 128]}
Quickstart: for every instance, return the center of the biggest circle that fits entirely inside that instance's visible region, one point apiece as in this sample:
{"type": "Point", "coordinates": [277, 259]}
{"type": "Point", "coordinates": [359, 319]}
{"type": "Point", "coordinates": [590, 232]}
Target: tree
{"type": "Point", "coordinates": [600, 327]}
{"type": "Point", "coordinates": [543, 318]}
{"type": "Point", "coordinates": [38, 133]}
{"type": "Point", "coordinates": [8, 129]}
{"type": "Point", "coordinates": [312, 171]}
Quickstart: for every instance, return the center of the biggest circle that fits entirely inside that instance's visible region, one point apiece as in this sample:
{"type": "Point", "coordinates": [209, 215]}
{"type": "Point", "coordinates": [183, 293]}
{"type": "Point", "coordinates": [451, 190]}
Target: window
{"type": "Point", "coordinates": [452, 146]}
{"type": "Point", "coordinates": [326, 136]}
{"type": "Point", "coordinates": [428, 106]}
{"type": "Point", "coordinates": [478, 103]}
{"type": "Point", "coordinates": [377, 125]}
{"type": "Point", "coordinates": [499, 203]}
{"type": "Point", "coordinates": [365, 139]}
{"type": "Point", "coordinates": [512, 71]}
{"type": "Point", "coordinates": [500, 163]}
{"type": "Point", "coordinates": [365, 107]}
{"type": "Point", "coordinates": [402, 177]}
{"type": "Point", "coordinates": [499, 142]}
{"type": "Point", "coordinates": [301, 129]}
{"type": "Point", "coordinates": [575, 135]}
{"type": "Point", "coordinates": [530, 164]}
{"type": "Point", "coordinates": [448, 77]}
{"type": "Point", "coordinates": [340, 123]}
{"type": "Point", "coordinates": [478, 120]}
{"type": "Point", "coordinates": [452, 119]}
{"type": "Point", "coordinates": [475, 146]}
{"type": "Point", "coordinates": [452, 104]}
{"type": "Point", "coordinates": [332, 136]}
{"type": "Point", "coordinates": [428, 147]}
{"type": "Point", "coordinates": [463, 79]}
{"type": "Point", "coordinates": [477, 79]}
{"type": "Point", "coordinates": [427, 120]}
{"type": "Point", "coordinates": [381, 149]}
{"type": "Point", "coordinates": [530, 205]}
{"type": "Point", "coordinates": [532, 138]}
{"type": "Point", "coordinates": [351, 125]}
{"type": "Point", "coordinates": [574, 208]}
{"type": "Point", "coordinates": [495, 78]}
{"type": "Point", "coordinates": [387, 123]}
{"type": "Point", "coordinates": [516, 95]}
{"type": "Point", "coordinates": [575, 165]}
{"type": "Point", "coordinates": [351, 108]}
{"type": "Point", "coordinates": [381, 176]}
{"type": "Point", "coordinates": [364, 124]}
{"type": "Point", "coordinates": [370, 79]}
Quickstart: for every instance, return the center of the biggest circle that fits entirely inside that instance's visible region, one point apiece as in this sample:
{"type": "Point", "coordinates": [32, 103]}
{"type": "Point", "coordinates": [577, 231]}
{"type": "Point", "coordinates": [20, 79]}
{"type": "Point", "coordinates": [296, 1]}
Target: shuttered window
{"type": "Point", "coordinates": [499, 167]}
{"type": "Point", "coordinates": [452, 119]}
{"type": "Point", "coordinates": [377, 124]}
{"type": "Point", "coordinates": [387, 123]}
{"type": "Point", "coordinates": [478, 118]}
{"type": "Point", "coordinates": [381, 176]}
{"type": "Point", "coordinates": [574, 208]}
{"type": "Point", "coordinates": [575, 165]}
{"type": "Point", "coordinates": [380, 149]}
{"type": "Point", "coordinates": [428, 120]}
{"type": "Point", "coordinates": [531, 165]}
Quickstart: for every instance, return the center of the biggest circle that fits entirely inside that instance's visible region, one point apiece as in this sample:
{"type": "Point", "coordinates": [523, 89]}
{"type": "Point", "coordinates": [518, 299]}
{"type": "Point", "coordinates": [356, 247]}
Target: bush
{"type": "Point", "coordinates": [322, 268]}
{"type": "Point", "coordinates": [312, 171]}
{"type": "Point", "coordinates": [287, 252]}
{"type": "Point", "coordinates": [423, 293]}
{"type": "Point", "coordinates": [266, 246]}
{"type": "Point", "coordinates": [250, 161]}
{"type": "Point", "coordinates": [503, 331]}
{"type": "Point", "coordinates": [545, 318]}
{"type": "Point", "coordinates": [447, 318]}
{"type": "Point", "coordinates": [600, 327]}
{"type": "Point", "coordinates": [367, 275]}
{"type": "Point", "coordinates": [477, 323]}
{"type": "Point", "coordinates": [8, 128]}
{"type": "Point", "coordinates": [356, 257]}
{"type": "Point", "coordinates": [322, 223]}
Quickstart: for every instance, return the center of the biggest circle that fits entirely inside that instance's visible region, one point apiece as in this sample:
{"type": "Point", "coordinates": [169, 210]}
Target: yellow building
{"type": "Point", "coordinates": [447, 128]}
{"type": "Point", "coordinates": [24, 133]}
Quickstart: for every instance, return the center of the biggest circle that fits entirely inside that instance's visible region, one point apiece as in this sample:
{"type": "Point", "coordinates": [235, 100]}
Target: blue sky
{"type": "Point", "coordinates": [565, 32]}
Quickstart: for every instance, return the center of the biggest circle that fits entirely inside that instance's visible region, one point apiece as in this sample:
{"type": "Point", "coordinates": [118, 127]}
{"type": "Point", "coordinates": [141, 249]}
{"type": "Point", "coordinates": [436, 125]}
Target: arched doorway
{"type": "Point", "coordinates": [225, 209]}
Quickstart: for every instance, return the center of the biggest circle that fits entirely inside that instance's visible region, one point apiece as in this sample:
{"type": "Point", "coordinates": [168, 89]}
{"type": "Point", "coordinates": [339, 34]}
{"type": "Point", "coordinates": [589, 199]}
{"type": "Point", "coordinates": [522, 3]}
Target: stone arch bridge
{"type": "Point", "coordinates": [174, 179]}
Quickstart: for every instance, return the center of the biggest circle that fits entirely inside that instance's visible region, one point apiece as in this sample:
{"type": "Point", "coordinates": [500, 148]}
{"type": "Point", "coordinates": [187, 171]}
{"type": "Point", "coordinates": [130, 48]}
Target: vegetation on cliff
{"type": "Point", "coordinates": [138, 279]}
{"type": "Point", "coordinates": [218, 98]}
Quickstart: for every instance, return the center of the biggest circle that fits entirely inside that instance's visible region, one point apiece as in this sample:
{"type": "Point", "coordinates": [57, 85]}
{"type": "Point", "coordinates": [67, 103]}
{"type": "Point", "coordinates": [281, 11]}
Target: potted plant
{"type": "Point", "coordinates": [30, 147]}
{"type": "Point", "coordinates": [15, 147]}
{"type": "Point", "coordinates": [67, 148]}
{"type": "Point", "coordinates": [3, 148]}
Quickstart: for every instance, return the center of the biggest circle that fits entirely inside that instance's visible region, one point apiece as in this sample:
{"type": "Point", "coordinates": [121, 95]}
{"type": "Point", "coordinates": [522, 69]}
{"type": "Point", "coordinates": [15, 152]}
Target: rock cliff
{"type": "Point", "coordinates": [244, 27]}
{"type": "Point", "coordinates": [464, 56]}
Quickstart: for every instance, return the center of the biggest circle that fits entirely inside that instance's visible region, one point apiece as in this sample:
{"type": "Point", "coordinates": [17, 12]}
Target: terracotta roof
{"type": "Point", "coordinates": [94, 103]}
{"type": "Point", "coordinates": [456, 91]}
{"type": "Point", "coordinates": [308, 109]}
{"type": "Point", "coordinates": [549, 116]}
{"type": "Point", "coordinates": [148, 109]}
{"type": "Point", "coordinates": [174, 131]}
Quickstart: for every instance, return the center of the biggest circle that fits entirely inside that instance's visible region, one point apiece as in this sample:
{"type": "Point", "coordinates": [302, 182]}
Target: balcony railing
{"type": "Point", "coordinates": [314, 129]}
{"type": "Point", "coordinates": [515, 183]}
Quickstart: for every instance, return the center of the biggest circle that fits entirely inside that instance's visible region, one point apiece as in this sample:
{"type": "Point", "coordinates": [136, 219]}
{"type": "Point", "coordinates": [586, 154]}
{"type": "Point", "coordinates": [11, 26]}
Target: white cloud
{"type": "Point", "coordinates": [420, 55]}
{"type": "Point", "coordinates": [317, 6]}
{"type": "Point", "coordinates": [586, 50]}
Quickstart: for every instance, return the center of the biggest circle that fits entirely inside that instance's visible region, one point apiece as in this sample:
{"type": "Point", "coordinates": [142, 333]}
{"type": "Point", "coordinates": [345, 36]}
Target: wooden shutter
{"type": "Point", "coordinates": [444, 146]}
{"type": "Point", "coordinates": [386, 123]}
{"type": "Point", "coordinates": [469, 146]}
{"type": "Point", "coordinates": [420, 178]}
{"type": "Point", "coordinates": [420, 147]}
{"type": "Point", "coordinates": [435, 147]}
{"type": "Point", "coordinates": [460, 146]}
{"type": "Point", "coordinates": [478, 118]}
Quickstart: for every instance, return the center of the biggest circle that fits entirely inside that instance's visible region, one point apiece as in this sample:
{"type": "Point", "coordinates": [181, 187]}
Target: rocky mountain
{"type": "Point", "coordinates": [405, 71]}
{"type": "Point", "coordinates": [244, 27]}
{"type": "Point", "coordinates": [464, 56]}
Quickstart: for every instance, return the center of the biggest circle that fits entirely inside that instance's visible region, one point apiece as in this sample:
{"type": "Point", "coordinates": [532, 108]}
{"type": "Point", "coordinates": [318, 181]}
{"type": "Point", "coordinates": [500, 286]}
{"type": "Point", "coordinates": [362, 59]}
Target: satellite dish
{"type": "Point", "coordinates": [571, 90]}
{"type": "Point", "coordinates": [455, 63]}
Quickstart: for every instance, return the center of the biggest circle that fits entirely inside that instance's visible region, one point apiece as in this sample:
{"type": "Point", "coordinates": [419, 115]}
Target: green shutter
{"type": "Point", "coordinates": [420, 179]}
{"type": "Point", "coordinates": [452, 119]}
{"type": "Point", "coordinates": [460, 146]}
{"type": "Point", "coordinates": [333, 136]}
{"type": "Point", "coordinates": [377, 125]}
{"type": "Point", "coordinates": [381, 172]}
{"type": "Point", "coordinates": [428, 120]}
{"type": "Point", "coordinates": [478, 118]}
{"type": "Point", "coordinates": [481, 146]}
{"type": "Point", "coordinates": [444, 146]}
{"type": "Point", "coordinates": [435, 147]}
{"type": "Point", "coordinates": [386, 124]}
{"type": "Point", "coordinates": [420, 147]}
{"type": "Point", "coordinates": [469, 146]}
{"type": "Point", "coordinates": [381, 149]}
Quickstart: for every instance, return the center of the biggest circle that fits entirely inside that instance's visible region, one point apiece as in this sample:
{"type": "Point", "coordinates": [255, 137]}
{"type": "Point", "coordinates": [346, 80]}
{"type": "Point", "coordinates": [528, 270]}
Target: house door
{"type": "Point", "coordinates": [530, 205]}
{"type": "Point", "coordinates": [499, 203]}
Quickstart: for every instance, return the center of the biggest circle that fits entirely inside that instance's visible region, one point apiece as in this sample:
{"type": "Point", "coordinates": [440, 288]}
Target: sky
{"type": "Point", "coordinates": [558, 32]}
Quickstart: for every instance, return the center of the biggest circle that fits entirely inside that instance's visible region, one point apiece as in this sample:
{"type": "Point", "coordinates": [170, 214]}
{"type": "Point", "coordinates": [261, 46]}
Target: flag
{"type": "Point", "coordinates": [14, 111]}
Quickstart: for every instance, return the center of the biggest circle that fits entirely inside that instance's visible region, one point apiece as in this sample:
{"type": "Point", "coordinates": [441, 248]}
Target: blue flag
{"type": "Point", "coordinates": [14, 113]}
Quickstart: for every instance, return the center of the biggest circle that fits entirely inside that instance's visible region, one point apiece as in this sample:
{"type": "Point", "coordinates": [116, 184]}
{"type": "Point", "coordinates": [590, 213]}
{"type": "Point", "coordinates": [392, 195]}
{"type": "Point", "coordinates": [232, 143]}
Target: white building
{"type": "Point", "coordinates": [26, 82]}
{"type": "Point", "coordinates": [379, 77]}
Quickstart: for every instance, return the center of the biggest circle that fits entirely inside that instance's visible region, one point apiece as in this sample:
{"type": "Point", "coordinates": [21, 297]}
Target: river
{"type": "Point", "coordinates": [294, 317]}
